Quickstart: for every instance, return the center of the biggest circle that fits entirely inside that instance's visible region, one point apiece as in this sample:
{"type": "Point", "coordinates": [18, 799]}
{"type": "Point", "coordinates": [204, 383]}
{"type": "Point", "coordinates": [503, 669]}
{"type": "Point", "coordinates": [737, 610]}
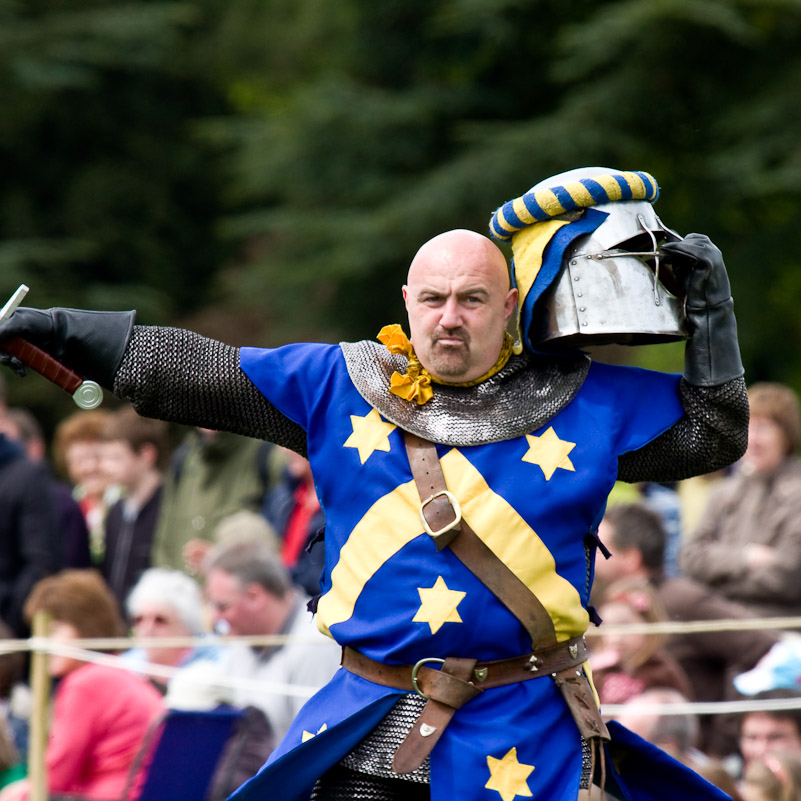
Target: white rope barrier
{"type": "Point", "coordinates": [258, 641]}
{"type": "Point", "coordinates": [699, 626]}
{"type": "Point", "coordinates": [165, 672]}
{"type": "Point", "coordinates": [92, 650]}
{"type": "Point", "coordinates": [704, 707]}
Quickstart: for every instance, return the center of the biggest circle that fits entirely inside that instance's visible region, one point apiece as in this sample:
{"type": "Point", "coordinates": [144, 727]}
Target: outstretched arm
{"type": "Point", "coordinates": [166, 373]}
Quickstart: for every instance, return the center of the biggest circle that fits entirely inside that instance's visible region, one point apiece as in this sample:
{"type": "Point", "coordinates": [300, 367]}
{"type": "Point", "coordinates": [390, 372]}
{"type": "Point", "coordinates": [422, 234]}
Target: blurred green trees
{"type": "Point", "coordinates": [264, 170]}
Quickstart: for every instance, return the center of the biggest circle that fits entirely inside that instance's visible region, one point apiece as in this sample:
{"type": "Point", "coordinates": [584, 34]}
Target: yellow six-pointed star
{"type": "Point", "coordinates": [438, 605]}
{"type": "Point", "coordinates": [508, 776]}
{"type": "Point", "coordinates": [370, 433]}
{"type": "Point", "coordinates": [549, 452]}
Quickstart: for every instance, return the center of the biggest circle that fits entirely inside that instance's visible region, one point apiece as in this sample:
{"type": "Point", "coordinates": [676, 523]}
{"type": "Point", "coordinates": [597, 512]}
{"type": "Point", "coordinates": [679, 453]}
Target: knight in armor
{"type": "Point", "coordinates": [463, 478]}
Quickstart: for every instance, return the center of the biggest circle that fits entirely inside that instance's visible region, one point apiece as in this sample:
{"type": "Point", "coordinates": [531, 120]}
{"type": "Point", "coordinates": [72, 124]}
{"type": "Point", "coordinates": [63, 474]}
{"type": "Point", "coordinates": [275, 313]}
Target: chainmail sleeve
{"type": "Point", "coordinates": [712, 434]}
{"type": "Point", "coordinates": [179, 376]}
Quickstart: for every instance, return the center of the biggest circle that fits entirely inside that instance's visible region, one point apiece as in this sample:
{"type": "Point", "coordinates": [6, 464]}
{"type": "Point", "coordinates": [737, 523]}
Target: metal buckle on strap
{"type": "Point", "coordinates": [416, 670]}
{"type": "Point", "coordinates": [457, 511]}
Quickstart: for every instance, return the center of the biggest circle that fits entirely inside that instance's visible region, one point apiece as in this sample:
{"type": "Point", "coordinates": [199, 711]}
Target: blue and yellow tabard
{"type": "Point", "coordinates": [390, 594]}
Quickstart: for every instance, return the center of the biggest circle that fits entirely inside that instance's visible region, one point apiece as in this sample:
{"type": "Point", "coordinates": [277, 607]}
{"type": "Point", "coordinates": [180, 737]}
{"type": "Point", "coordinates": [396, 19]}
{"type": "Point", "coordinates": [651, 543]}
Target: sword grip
{"type": "Point", "coordinates": [42, 363]}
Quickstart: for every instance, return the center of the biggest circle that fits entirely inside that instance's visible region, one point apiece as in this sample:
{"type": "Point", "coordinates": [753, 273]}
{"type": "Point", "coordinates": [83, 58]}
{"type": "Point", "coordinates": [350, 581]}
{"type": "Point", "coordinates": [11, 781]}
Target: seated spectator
{"type": "Point", "coordinates": [748, 544]}
{"type": "Point", "coordinates": [663, 499]}
{"type": "Point", "coordinates": [100, 714]}
{"type": "Point", "coordinates": [13, 720]}
{"type": "Point", "coordinates": [12, 769]}
{"type": "Point", "coordinates": [78, 455]}
{"type": "Point", "coordinates": [636, 538]}
{"type": "Point", "coordinates": [626, 664]}
{"type": "Point", "coordinates": [678, 734]}
{"type": "Point", "coordinates": [29, 543]}
{"type": "Point", "coordinates": [293, 509]}
{"type": "Point", "coordinates": [167, 603]}
{"type": "Point", "coordinates": [771, 731]}
{"type": "Point", "coordinates": [250, 593]}
{"type": "Point", "coordinates": [135, 451]}
{"type": "Point", "coordinates": [774, 777]}
{"type": "Point", "coordinates": [779, 668]}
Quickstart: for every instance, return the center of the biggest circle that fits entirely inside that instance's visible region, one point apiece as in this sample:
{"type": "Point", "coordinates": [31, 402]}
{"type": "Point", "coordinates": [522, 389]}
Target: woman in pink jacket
{"type": "Point", "coordinates": [101, 714]}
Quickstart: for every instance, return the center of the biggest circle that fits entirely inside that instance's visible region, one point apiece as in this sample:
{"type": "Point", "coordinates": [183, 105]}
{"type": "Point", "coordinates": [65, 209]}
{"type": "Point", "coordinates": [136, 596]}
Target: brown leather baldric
{"type": "Point", "coordinates": [441, 518]}
{"type": "Point", "coordinates": [439, 513]}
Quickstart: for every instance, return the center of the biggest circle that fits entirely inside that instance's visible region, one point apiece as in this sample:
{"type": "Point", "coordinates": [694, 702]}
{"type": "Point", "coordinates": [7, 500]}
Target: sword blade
{"type": "Point", "coordinates": [13, 302]}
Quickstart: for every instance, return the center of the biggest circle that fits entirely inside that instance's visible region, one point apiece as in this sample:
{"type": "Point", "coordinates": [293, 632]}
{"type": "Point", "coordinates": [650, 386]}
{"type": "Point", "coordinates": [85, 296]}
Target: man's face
{"type": "Point", "coordinates": [458, 300]}
{"type": "Point", "coordinates": [230, 602]}
{"type": "Point", "coordinates": [762, 733]}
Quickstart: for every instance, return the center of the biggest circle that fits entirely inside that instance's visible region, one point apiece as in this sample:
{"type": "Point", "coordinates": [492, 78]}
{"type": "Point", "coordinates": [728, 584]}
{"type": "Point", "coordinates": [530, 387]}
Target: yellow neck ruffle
{"type": "Point", "coordinates": [415, 384]}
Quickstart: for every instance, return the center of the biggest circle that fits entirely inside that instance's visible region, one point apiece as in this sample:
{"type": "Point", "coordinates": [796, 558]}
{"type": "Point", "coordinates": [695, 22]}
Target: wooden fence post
{"type": "Point", "coordinates": [39, 722]}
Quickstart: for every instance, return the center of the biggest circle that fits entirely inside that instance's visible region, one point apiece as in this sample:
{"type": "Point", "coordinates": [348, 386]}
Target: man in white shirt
{"type": "Point", "coordinates": [250, 593]}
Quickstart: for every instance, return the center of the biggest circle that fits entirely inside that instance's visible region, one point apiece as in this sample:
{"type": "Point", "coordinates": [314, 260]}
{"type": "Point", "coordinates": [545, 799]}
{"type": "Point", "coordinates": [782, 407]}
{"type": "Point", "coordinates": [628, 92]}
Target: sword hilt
{"type": "Point", "coordinates": [86, 394]}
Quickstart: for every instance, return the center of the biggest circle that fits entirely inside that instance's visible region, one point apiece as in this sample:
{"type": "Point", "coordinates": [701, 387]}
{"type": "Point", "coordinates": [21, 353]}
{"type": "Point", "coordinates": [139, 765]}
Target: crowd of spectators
{"type": "Point", "coordinates": [118, 526]}
{"type": "Point", "coordinates": [737, 567]}
{"type": "Point", "coordinates": [123, 526]}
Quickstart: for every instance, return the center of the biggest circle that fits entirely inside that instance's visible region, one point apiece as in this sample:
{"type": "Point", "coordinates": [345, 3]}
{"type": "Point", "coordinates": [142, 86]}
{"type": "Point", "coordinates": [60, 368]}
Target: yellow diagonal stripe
{"type": "Point", "coordinates": [636, 183]}
{"type": "Point", "coordinates": [390, 523]}
{"type": "Point", "coordinates": [393, 522]}
{"type": "Point", "coordinates": [549, 202]}
{"type": "Point", "coordinates": [508, 536]}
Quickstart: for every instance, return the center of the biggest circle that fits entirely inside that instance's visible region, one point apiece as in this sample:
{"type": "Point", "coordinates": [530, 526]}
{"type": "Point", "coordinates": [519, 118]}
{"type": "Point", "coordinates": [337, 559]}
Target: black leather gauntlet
{"type": "Point", "coordinates": [89, 342]}
{"type": "Point", "coordinates": [712, 356]}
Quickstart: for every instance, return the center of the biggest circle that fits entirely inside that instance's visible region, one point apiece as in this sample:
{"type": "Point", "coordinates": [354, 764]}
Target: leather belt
{"type": "Point", "coordinates": [458, 681]}
{"type": "Point", "coordinates": [486, 675]}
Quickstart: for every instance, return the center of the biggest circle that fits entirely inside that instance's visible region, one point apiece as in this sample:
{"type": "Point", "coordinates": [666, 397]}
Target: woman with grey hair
{"type": "Point", "coordinates": [167, 603]}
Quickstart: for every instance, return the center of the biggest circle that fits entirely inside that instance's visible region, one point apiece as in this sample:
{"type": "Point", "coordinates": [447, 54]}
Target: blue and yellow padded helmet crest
{"type": "Point", "coordinates": [586, 261]}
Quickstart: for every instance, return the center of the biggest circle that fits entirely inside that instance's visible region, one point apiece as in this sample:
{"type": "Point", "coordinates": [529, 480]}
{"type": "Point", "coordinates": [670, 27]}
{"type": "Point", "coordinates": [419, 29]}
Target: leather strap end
{"type": "Point", "coordinates": [580, 700]}
{"type": "Point", "coordinates": [422, 737]}
{"type": "Point", "coordinates": [448, 690]}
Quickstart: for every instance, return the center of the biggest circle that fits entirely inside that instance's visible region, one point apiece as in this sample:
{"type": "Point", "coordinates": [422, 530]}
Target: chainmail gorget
{"type": "Point", "coordinates": [176, 375]}
{"type": "Point", "coordinates": [517, 400]}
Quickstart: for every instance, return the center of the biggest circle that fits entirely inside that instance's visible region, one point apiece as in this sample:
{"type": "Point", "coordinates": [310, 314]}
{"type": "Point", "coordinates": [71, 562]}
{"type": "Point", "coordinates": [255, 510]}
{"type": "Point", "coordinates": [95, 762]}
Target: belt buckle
{"type": "Point", "coordinates": [416, 670]}
{"type": "Point", "coordinates": [457, 511]}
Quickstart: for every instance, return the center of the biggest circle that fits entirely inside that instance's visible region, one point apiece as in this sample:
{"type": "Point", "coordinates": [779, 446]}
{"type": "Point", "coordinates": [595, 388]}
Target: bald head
{"type": "Point", "coordinates": [463, 250]}
{"type": "Point", "coordinates": [459, 302]}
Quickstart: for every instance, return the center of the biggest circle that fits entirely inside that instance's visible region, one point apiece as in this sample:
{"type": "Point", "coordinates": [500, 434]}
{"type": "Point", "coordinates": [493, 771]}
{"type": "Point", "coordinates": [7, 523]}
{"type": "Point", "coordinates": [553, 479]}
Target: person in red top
{"type": "Point", "coordinates": [101, 714]}
{"type": "Point", "coordinates": [293, 509]}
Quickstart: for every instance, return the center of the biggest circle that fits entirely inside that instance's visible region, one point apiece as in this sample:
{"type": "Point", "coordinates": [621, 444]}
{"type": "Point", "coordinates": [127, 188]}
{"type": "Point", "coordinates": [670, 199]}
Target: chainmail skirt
{"type": "Point", "coordinates": [365, 774]}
